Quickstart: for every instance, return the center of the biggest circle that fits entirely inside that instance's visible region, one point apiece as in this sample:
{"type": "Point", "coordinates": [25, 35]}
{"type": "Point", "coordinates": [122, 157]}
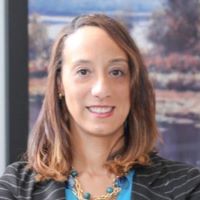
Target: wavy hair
{"type": "Point", "coordinates": [49, 147]}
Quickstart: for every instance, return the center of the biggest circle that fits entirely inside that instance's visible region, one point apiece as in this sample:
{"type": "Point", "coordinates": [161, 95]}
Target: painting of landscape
{"type": "Point", "coordinates": [167, 33]}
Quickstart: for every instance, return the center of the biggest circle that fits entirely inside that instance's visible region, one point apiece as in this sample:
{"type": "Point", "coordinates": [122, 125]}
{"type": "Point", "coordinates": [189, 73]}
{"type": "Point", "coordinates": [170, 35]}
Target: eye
{"type": "Point", "coordinates": [117, 73]}
{"type": "Point", "coordinates": [83, 72]}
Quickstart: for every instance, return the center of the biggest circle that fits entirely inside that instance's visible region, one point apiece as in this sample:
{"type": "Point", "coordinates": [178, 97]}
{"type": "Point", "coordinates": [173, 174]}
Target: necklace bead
{"type": "Point", "coordinates": [86, 195]}
{"type": "Point", "coordinates": [109, 190]}
{"type": "Point", "coordinates": [74, 173]}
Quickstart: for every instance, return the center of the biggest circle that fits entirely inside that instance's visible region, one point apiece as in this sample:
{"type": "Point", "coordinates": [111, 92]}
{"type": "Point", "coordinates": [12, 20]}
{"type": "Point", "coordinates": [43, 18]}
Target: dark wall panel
{"type": "Point", "coordinates": [17, 79]}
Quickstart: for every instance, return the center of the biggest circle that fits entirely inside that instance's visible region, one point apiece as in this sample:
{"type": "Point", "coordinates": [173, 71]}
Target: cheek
{"type": "Point", "coordinates": [123, 100]}
{"type": "Point", "coordinates": [123, 93]}
{"type": "Point", "coordinates": [71, 96]}
{"type": "Point", "coordinates": [74, 97]}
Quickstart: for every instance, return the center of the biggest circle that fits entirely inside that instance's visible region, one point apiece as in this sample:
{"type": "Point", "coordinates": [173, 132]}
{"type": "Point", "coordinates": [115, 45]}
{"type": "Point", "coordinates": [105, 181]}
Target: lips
{"type": "Point", "coordinates": [100, 109]}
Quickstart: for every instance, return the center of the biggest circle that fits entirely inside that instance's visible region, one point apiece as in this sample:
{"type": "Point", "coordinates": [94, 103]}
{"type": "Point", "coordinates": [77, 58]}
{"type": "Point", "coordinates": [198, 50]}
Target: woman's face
{"type": "Point", "coordinates": [95, 82]}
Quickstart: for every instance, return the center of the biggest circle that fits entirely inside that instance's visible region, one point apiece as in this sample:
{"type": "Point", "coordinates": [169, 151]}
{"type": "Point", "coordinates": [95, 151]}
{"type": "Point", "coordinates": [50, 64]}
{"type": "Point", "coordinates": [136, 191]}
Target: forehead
{"type": "Point", "coordinates": [90, 35]}
{"type": "Point", "coordinates": [87, 32]}
{"type": "Point", "coordinates": [91, 40]}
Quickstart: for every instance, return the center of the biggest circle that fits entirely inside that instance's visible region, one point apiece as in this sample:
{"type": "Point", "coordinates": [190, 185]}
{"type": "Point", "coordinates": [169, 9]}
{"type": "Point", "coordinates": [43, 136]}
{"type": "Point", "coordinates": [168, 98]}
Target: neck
{"type": "Point", "coordinates": [90, 152]}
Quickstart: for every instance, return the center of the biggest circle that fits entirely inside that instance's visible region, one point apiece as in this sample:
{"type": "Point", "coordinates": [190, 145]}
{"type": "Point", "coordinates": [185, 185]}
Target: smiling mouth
{"type": "Point", "coordinates": [101, 109]}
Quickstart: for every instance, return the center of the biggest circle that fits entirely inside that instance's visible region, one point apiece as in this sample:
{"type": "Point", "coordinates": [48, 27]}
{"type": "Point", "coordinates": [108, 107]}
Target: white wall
{"type": "Point", "coordinates": [2, 88]}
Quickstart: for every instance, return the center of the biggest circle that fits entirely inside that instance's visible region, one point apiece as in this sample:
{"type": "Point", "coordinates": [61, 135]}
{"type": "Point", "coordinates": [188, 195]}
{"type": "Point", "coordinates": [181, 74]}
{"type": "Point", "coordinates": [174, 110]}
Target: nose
{"type": "Point", "coordinates": [101, 88]}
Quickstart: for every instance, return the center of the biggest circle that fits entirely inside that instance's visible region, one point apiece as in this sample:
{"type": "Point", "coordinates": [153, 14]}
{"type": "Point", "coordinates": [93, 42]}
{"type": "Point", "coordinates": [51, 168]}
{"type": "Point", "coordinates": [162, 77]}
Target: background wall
{"type": "Point", "coordinates": [2, 88]}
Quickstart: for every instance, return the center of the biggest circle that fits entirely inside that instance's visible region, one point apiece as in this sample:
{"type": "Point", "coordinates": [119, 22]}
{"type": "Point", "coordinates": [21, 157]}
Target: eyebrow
{"type": "Point", "coordinates": [82, 61]}
{"type": "Point", "coordinates": [115, 60]}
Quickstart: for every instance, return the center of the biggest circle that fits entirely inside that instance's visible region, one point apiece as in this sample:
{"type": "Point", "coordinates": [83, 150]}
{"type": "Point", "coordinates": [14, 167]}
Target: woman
{"type": "Point", "coordinates": [96, 134]}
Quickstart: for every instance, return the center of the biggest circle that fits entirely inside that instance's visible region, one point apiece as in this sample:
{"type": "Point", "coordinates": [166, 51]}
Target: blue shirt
{"type": "Point", "coordinates": [125, 193]}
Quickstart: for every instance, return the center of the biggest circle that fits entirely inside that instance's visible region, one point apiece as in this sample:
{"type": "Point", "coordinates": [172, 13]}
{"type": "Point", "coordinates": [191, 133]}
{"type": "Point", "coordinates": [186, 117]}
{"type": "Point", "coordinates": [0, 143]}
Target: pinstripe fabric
{"type": "Point", "coordinates": [163, 180]}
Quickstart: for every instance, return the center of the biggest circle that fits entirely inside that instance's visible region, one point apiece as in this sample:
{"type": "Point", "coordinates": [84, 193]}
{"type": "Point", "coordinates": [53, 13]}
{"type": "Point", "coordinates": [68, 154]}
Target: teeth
{"type": "Point", "coordinates": [100, 109]}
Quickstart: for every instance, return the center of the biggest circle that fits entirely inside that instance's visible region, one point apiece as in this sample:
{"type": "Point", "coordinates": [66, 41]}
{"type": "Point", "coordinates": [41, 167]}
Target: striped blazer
{"type": "Point", "coordinates": [162, 180]}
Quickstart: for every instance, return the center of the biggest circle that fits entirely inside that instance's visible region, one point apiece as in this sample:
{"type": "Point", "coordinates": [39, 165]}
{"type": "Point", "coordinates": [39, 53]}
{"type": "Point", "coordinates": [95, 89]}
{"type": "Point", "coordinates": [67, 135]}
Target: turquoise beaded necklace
{"type": "Point", "coordinates": [111, 191]}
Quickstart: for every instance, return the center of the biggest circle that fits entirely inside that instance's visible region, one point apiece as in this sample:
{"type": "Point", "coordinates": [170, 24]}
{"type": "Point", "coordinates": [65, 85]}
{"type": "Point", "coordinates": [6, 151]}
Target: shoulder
{"type": "Point", "coordinates": [173, 170]}
{"type": "Point", "coordinates": [18, 171]}
{"type": "Point", "coordinates": [18, 182]}
{"type": "Point", "coordinates": [15, 177]}
{"type": "Point", "coordinates": [172, 179]}
{"type": "Point", "coordinates": [171, 167]}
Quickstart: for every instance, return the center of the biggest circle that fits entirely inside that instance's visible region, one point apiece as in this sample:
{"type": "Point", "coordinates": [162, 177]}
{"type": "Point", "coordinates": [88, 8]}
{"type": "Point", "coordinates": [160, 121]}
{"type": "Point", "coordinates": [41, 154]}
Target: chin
{"type": "Point", "coordinates": [103, 131]}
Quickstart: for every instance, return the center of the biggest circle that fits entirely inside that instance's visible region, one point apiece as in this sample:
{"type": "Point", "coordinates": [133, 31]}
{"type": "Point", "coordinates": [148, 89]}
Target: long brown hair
{"type": "Point", "coordinates": [49, 149]}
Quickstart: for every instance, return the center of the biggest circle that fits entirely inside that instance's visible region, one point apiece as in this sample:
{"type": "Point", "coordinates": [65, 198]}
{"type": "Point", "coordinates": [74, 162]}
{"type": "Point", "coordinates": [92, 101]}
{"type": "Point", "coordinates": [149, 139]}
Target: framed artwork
{"type": "Point", "coordinates": [167, 35]}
